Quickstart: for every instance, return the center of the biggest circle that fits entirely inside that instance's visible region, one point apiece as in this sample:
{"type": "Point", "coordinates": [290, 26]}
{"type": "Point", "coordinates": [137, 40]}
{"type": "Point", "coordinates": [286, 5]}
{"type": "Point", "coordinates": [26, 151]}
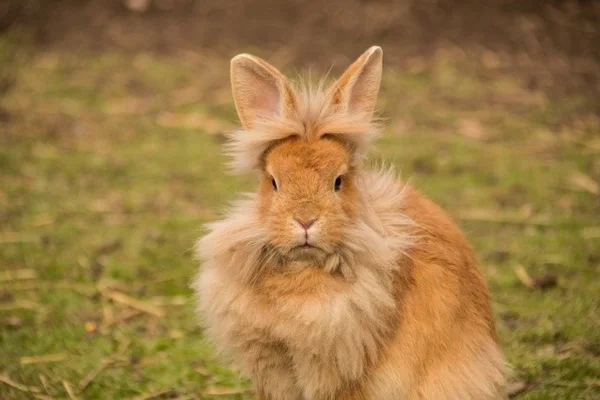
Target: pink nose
{"type": "Point", "coordinates": [306, 224]}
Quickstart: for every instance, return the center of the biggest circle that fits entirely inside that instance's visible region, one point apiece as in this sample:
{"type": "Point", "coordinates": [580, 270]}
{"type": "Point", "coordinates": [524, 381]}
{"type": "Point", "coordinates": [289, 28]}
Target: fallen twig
{"type": "Point", "coordinates": [524, 276]}
{"type": "Point", "coordinates": [169, 301]}
{"type": "Point", "coordinates": [21, 305]}
{"type": "Point", "coordinates": [515, 219]}
{"type": "Point", "coordinates": [123, 346]}
{"type": "Point", "coordinates": [15, 385]}
{"type": "Point", "coordinates": [129, 301]}
{"type": "Point", "coordinates": [86, 290]}
{"type": "Point", "coordinates": [593, 146]}
{"type": "Point", "coordinates": [122, 317]}
{"type": "Point", "coordinates": [591, 232]}
{"type": "Point", "coordinates": [542, 282]}
{"type": "Point", "coordinates": [43, 397]}
{"type": "Point", "coordinates": [487, 216]}
{"type": "Point", "coordinates": [16, 237]}
{"type": "Point", "coordinates": [45, 383]}
{"type": "Point", "coordinates": [152, 359]}
{"type": "Point", "coordinates": [69, 390]}
{"type": "Point", "coordinates": [586, 383]}
{"type": "Point", "coordinates": [105, 363]}
{"type": "Point", "coordinates": [18, 274]}
{"type": "Point", "coordinates": [153, 395]}
{"type": "Point", "coordinates": [514, 389]}
{"type": "Point", "coordinates": [94, 373]}
{"type": "Point", "coordinates": [225, 391]}
{"type": "Point", "coordinates": [581, 181]}
{"type": "Point", "coordinates": [48, 358]}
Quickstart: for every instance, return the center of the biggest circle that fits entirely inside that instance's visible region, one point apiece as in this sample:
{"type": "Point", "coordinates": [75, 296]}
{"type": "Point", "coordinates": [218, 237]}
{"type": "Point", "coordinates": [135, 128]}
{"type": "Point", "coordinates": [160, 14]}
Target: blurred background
{"type": "Point", "coordinates": [112, 116]}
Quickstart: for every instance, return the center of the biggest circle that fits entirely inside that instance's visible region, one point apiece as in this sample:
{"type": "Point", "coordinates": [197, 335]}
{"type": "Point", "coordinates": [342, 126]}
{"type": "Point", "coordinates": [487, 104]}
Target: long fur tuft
{"type": "Point", "coordinates": [315, 116]}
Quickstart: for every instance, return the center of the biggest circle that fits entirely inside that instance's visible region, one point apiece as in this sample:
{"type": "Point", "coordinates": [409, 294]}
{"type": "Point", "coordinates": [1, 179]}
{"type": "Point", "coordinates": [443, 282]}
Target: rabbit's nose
{"type": "Point", "coordinates": [305, 223]}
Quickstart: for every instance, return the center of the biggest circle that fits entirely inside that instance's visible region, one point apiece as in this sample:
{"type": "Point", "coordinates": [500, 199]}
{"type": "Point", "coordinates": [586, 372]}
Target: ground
{"type": "Point", "coordinates": [110, 164]}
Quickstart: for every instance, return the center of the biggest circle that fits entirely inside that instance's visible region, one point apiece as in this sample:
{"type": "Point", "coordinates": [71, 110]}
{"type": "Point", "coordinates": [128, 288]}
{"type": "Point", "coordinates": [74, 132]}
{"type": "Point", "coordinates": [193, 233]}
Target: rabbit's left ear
{"type": "Point", "coordinates": [260, 91]}
{"type": "Point", "coordinates": [356, 90]}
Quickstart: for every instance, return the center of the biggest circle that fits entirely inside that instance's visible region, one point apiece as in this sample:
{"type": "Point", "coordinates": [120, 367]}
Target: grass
{"type": "Point", "coordinates": [110, 164]}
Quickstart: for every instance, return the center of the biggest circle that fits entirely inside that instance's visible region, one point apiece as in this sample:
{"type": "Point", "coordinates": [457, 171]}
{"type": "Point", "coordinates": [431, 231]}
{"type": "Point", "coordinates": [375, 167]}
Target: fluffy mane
{"type": "Point", "coordinates": [372, 251]}
{"type": "Point", "coordinates": [376, 241]}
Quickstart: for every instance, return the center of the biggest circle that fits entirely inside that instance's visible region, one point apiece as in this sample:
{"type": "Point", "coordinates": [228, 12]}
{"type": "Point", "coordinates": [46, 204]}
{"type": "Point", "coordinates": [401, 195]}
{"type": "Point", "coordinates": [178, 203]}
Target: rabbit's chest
{"type": "Point", "coordinates": [287, 315]}
{"type": "Point", "coordinates": [301, 313]}
{"type": "Point", "coordinates": [324, 331]}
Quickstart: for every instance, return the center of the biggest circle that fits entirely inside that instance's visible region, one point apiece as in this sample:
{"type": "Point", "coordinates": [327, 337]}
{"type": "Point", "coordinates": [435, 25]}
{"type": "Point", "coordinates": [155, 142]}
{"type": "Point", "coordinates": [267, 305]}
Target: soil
{"type": "Point", "coordinates": [553, 45]}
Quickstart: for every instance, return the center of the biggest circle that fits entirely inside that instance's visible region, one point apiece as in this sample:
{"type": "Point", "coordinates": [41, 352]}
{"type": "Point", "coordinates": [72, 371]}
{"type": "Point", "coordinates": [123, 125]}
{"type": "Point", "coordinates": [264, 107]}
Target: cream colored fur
{"type": "Point", "coordinates": [387, 305]}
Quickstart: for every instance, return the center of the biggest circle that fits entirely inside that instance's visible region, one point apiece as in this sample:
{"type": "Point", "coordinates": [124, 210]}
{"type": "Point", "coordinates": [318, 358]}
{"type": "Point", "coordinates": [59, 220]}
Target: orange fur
{"type": "Point", "coordinates": [378, 298]}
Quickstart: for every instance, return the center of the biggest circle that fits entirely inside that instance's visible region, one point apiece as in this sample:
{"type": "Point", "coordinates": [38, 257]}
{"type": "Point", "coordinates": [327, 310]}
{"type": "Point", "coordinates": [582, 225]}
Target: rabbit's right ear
{"type": "Point", "coordinates": [356, 90]}
{"type": "Point", "coordinates": [260, 91]}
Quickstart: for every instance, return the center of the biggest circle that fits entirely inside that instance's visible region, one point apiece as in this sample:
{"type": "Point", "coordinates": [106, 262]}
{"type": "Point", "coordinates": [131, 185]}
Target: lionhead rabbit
{"type": "Point", "coordinates": [334, 282]}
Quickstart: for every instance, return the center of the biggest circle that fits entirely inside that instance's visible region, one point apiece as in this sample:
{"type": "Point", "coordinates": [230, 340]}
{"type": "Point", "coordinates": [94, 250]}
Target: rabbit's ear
{"type": "Point", "coordinates": [259, 90]}
{"type": "Point", "coordinates": [356, 90]}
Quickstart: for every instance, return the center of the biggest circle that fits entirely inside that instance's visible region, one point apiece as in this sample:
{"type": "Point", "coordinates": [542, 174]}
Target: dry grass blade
{"type": "Point", "coordinates": [579, 180]}
{"type": "Point", "coordinates": [202, 371]}
{"type": "Point", "coordinates": [18, 275]}
{"type": "Point", "coordinates": [225, 391]}
{"type": "Point", "coordinates": [150, 360]}
{"type": "Point", "coordinates": [43, 397]}
{"type": "Point", "coordinates": [69, 390]}
{"type": "Point", "coordinates": [472, 129]}
{"type": "Point", "coordinates": [540, 282]}
{"type": "Point", "coordinates": [200, 121]}
{"type": "Point", "coordinates": [16, 237]}
{"type": "Point", "coordinates": [132, 302]}
{"type": "Point", "coordinates": [524, 276]}
{"type": "Point", "coordinates": [137, 5]}
{"type": "Point", "coordinates": [47, 358]}
{"type": "Point", "coordinates": [491, 216]}
{"type": "Point", "coordinates": [132, 106]}
{"type": "Point", "coordinates": [591, 232]}
{"type": "Point", "coordinates": [15, 385]}
{"type": "Point", "coordinates": [93, 374]}
{"type": "Point", "coordinates": [592, 145]}
{"type": "Point", "coordinates": [153, 395]}
{"type": "Point", "coordinates": [122, 317]}
{"type": "Point", "coordinates": [169, 301]}
{"type": "Point", "coordinates": [21, 305]}
{"type": "Point", "coordinates": [45, 383]}
{"type": "Point", "coordinates": [515, 388]}
{"type": "Point", "coordinates": [123, 346]}
{"type": "Point", "coordinates": [86, 290]}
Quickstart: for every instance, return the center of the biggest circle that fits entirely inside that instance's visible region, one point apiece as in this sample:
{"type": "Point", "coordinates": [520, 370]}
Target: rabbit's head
{"type": "Point", "coordinates": [308, 144]}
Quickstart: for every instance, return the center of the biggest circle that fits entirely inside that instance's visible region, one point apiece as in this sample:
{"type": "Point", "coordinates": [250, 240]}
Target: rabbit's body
{"type": "Point", "coordinates": [375, 296]}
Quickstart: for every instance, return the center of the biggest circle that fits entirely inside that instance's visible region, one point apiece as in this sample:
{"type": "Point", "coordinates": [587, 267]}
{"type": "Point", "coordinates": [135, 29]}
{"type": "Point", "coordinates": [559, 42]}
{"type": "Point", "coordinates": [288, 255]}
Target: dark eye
{"type": "Point", "coordinates": [337, 184]}
{"type": "Point", "coordinates": [274, 183]}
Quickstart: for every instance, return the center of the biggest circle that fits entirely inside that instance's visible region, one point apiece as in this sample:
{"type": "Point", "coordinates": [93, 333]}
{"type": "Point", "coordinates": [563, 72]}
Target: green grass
{"type": "Point", "coordinates": [110, 165]}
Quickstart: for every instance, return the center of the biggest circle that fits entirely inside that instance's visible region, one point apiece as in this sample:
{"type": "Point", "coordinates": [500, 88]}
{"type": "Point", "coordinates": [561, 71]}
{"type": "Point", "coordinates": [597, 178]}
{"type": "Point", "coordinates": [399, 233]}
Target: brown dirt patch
{"type": "Point", "coordinates": [553, 45]}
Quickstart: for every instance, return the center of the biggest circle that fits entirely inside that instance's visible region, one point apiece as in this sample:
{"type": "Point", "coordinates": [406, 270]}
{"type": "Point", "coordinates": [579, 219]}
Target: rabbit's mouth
{"type": "Point", "coordinates": [306, 249]}
{"type": "Point", "coordinates": [306, 246]}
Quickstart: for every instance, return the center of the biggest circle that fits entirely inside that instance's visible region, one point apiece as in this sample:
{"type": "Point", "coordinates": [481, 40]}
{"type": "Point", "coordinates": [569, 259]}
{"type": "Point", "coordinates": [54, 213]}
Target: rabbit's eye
{"type": "Point", "coordinates": [337, 184]}
{"type": "Point", "coordinates": [274, 183]}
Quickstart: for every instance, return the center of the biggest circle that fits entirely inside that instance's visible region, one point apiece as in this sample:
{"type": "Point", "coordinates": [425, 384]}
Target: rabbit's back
{"type": "Point", "coordinates": [445, 344]}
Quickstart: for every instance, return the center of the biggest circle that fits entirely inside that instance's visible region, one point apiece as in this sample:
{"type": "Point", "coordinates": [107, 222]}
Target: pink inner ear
{"type": "Point", "coordinates": [259, 95]}
{"type": "Point", "coordinates": [267, 99]}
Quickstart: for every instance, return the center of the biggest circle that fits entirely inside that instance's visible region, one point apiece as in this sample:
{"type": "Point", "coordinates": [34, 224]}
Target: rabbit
{"type": "Point", "coordinates": [335, 282]}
